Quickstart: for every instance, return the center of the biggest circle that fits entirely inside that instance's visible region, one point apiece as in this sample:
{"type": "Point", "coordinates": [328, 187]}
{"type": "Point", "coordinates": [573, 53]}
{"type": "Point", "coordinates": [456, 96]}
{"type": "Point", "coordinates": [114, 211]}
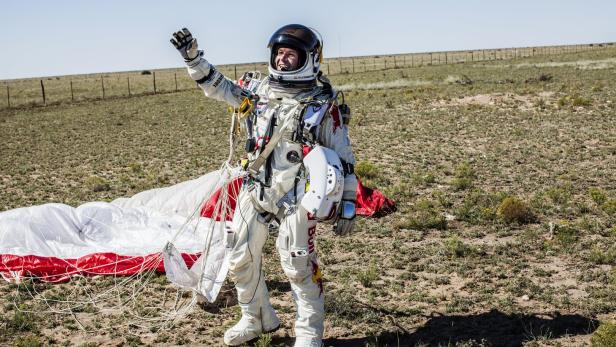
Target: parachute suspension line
{"type": "Point", "coordinates": [126, 294]}
{"type": "Point", "coordinates": [221, 212]}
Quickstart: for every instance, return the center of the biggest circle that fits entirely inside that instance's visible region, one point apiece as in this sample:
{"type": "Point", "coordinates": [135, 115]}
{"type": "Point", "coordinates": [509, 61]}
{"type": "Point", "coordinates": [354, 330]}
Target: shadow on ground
{"type": "Point", "coordinates": [492, 328]}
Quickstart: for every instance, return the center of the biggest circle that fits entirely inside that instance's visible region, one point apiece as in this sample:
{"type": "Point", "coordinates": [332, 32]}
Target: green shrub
{"type": "Point", "coordinates": [456, 248]}
{"type": "Point", "coordinates": [597, 195]}
{"type": "Point", "coordinates": [464, 177]}
{"type": "Point", "coordinates": [574, 101]}
{"type": "Point", "coordinates": [133, 340]}
{"type": "Point", "coordinates": [513, 210]}
{"type": "Point", "coordinates": [610, 207]}
{"type": "Point", "coordinates": [136, 168]}
{"type": "Point", "coordinates": [424, 215]}
{"type": "Point", "coordinates": [565, 234]}
{"type": "Point", "coordinates": [479, 206]}
{"type": "Point", "coordinates": [97, 184]}
{"type": "Point", "coordinates": [559, 195]}
{"type": "Point", "coordinates": [604, 336]}
{"type": "Point", "coordinates": [365, 169]}
{"type": "Point", "coordinates": [265, 340]}
{"type": "Point", "coordinates": [442, 199]}
{"type": "Point", "coordinates": [367, 277]}
{"type": "Point", "coordinates": [612, 278]}
{"type": "Point", "coordinates": [580, 101]}
{"type": "Point", "coordinates": [421, 178]}
{"type": "Point", "coordinates": [563, 101]}
{"type": "Point", "coordinates": [400, 191]}
{"type": "Point", "coordinates": [462, 183]}
{"type": "Point", "coordinates": [28, 341]}
{"type": "Point", "coordinates": [599, 256]}
{"type": "Point", "coordinates": [21, 321]}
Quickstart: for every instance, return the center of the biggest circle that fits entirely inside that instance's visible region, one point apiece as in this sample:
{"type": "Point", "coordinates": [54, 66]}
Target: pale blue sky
{"type": "Point", "coordinates": [43, 38]}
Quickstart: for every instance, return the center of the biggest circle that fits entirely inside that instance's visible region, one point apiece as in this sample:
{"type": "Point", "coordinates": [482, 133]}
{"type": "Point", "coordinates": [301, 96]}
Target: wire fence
{"type": "Point", "coordinates": [68, 89]}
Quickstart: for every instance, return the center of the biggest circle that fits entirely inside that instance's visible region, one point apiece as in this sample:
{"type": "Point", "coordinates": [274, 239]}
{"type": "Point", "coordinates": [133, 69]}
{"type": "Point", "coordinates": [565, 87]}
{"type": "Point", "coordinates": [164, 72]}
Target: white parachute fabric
{"type": "Point", "coordinates": [54, 242]}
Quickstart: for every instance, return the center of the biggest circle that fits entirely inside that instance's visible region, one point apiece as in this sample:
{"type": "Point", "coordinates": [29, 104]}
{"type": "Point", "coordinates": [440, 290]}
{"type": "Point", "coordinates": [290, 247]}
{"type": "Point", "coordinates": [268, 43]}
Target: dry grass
{"type": "Point", "coordinates": [445, 269]}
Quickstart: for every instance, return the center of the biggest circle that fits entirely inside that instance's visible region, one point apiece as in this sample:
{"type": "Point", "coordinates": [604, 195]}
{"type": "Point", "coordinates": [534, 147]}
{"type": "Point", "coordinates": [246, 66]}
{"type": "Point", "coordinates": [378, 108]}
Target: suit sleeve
{"type": "Point", "coordinates": [215, 84]}
{"type": "Point", "coordinates": [335, 135]}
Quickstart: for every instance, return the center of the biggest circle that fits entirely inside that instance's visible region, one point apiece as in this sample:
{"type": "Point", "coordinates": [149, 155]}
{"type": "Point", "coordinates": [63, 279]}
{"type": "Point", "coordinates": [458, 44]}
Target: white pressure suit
{"type": "Point", "coordinates": [274, 193]}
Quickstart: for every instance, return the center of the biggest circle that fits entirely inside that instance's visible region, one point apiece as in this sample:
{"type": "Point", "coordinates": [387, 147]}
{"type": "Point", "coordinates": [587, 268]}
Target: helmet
{"type": "Point", "coordinates": [309, 46]}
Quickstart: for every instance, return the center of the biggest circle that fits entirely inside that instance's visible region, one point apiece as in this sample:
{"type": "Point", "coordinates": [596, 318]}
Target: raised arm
{"type": "Point", "coordinates": [214, 84]}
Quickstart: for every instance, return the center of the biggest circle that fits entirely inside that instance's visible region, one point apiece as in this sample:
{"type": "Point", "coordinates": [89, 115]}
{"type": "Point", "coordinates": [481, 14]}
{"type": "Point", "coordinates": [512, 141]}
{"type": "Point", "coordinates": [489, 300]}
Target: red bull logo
{"type": "Point", "coordinates": [317, 276]}
{"type": "Point", "coordinates": [311, 233]}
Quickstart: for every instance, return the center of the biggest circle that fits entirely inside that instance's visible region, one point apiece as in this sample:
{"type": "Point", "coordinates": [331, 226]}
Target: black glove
{"type": "Point", "coordinates": [346, 218]}
{"type": "Point", "coordinates": [187, 45]}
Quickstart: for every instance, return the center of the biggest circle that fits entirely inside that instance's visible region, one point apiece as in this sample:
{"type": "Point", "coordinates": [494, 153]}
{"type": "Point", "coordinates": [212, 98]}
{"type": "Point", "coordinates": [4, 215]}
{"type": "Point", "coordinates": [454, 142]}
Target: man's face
{"type": "Point", "coordinates": [286, 59]}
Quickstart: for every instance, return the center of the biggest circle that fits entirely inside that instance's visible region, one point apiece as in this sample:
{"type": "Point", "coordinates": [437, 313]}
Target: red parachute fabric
{"type": "Point", "coordinates": [209, 209]}
{"type": "Point", "coordinates": [58, 270]}
{"type": "Point", "coordinates": [370, 202]}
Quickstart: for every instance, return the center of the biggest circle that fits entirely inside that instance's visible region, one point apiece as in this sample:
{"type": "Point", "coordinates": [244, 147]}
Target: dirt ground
{"type": "Point", "coordinates": [503, 173]}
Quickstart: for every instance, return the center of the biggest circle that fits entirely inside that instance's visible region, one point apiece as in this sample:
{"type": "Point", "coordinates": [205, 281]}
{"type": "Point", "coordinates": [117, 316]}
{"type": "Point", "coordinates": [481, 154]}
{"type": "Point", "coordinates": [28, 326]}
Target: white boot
{"type": "Point", "coordinates": [307, 342]}
{"type": "Point", "coordinates": [258, 317]}
{"type": "Point", "coordinates": [252, 325]}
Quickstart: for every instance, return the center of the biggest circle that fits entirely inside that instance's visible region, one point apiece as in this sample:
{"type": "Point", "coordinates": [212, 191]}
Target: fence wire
{"type": "Point", "coordinates": [67, 89]}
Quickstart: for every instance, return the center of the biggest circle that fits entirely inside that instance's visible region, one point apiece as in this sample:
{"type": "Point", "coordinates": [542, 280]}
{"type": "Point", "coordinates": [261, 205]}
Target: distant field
{"type": "Point", "coordinates": [63, 89]}
{"type": "Point", "coordinates": [503, 171]}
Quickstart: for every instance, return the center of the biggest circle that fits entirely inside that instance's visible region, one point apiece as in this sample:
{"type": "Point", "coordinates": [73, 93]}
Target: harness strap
{"type": "Point", "coordinates": [255, 166]}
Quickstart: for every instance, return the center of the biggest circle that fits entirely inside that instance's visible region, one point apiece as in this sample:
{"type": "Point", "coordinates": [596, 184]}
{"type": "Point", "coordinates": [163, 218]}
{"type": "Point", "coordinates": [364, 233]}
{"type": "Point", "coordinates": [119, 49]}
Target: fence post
{"type": "Point", "coordinates": [430, 58]}
{"type": "Point", "coordinates": [412, 60]}
{"type": "Point", "coordinates": [328, 69]}
{"type": "Point", "coordinates": [175, 78]}
{"type": "Point", "coordinates": [446, 59]}
{"type": "Point", "coordinates": [72, 95]}
{"type": "Point", "coordinates": [8, 96]}
{"type": "Point", "coordinates": [43, 92]}
{"type": "Point", "coordinates": [128, 84]}
{"type": "Point", "coordinates": [103, 86]}
{"type": "Point", "coordinates": [154, 80]}
{"type": "Point", "coordinates": [353, 62]}
{"type": "Point", "coordinates": [235, 71]}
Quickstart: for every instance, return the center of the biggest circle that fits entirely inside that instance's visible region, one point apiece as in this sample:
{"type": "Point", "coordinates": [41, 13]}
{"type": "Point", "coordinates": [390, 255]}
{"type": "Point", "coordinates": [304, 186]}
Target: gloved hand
{"type": "Point", "coordinates": [346, 218]}
{"type": "Point", "coordinates": [344, 226]}
{"type": "Point", "coordinates": [187, 46]}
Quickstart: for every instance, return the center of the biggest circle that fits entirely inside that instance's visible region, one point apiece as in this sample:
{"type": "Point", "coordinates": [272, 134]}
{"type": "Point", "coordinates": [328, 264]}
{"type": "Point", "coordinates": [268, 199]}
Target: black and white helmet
{"type": "Point", "coordinates": [309, 46]}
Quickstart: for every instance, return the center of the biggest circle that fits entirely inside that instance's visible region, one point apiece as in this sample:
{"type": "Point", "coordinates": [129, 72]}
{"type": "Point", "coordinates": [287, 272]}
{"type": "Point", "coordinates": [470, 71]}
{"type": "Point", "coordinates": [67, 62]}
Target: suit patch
{"type": "Point", "coordinates": [218, 80]}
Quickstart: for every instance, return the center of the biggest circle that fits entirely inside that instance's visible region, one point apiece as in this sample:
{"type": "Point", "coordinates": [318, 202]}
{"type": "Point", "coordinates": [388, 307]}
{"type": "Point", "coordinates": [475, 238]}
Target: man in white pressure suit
{"type": "Point", "coordinates": [299, 171]}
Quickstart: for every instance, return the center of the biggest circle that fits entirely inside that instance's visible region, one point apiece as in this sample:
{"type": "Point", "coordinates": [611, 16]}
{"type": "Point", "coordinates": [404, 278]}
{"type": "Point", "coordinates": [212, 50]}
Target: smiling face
{"type": "Point", "coordinates": [287, 59]}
